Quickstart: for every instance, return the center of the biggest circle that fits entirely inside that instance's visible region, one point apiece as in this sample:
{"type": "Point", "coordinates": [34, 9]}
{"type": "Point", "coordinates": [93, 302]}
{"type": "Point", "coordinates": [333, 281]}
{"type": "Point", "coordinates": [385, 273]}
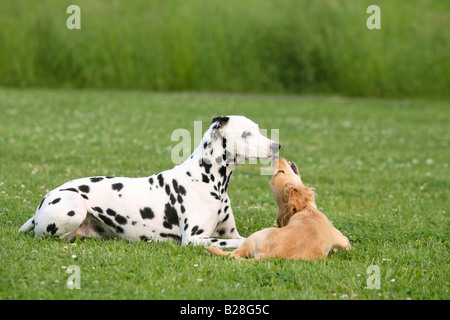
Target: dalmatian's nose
{"type": "Point", "coordinates": [275, 147]}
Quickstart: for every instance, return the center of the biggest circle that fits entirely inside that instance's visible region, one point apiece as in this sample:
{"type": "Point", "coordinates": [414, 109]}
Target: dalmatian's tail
{"type": "Point", "coordinates": [27, 226]}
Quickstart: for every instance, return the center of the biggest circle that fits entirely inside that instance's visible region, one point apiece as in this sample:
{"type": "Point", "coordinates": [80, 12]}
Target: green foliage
{"type": "Point", "coordinates": [229, 46]}
{"type": "Point", "coordinates": [379, 167]}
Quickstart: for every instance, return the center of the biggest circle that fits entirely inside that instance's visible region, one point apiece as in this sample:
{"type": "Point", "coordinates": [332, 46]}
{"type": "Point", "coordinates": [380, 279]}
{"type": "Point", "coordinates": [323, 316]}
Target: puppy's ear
{"type": "Point", "coordinates": [297, 197]}
{"type": "Point", "coordinates": [219, 122]}
{"type": "Point", "coordinates": [295, 202]}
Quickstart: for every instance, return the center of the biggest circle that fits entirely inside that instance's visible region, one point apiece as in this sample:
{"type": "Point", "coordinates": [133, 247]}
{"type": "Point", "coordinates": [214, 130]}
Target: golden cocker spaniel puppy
{"type": "Point", "coordinates": [303, 231]}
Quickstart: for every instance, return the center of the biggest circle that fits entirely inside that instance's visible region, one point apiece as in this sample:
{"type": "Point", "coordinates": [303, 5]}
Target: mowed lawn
{"type": "Point", "coordinates": [380, 169]}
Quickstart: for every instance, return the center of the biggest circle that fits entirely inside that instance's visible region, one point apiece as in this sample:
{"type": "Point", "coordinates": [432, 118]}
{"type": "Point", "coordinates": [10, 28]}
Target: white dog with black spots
{"type": "Point", "coordinates": [189, 202]}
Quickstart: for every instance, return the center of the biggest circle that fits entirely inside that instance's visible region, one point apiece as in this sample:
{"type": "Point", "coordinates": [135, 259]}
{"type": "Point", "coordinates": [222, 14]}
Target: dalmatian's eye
{"type": "Point", "coordinates": [246, 134]}
{"type": "Point", "coordinates": [280, 171]}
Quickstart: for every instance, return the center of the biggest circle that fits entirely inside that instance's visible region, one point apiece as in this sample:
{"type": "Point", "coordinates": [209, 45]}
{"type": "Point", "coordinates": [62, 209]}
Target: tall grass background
{"type": "Point", "coordinates": [282, 46]}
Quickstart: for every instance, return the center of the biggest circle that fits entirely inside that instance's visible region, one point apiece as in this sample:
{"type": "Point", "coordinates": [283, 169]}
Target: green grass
{"type": "Point", "coordinates": [235, 46]}
{"type": "Point", "coordinates": [380, 169]}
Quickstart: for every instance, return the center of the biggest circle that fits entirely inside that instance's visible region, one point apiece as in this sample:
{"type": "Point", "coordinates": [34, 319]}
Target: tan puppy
{"type": "Point", "coordinates": [304, 232]}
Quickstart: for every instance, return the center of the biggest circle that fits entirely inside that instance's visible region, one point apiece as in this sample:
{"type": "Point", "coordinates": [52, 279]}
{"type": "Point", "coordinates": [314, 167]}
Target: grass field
{"type": "Point", "coordinates": [294, 46]}
{"type": "Point", "coordinates": [380, 169]}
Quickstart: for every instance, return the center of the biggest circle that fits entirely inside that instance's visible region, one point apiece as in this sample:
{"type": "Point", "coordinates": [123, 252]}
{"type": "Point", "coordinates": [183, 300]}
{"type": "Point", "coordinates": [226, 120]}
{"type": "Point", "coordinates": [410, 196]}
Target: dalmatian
{"type": "Point", "coordinates": [188, 202]}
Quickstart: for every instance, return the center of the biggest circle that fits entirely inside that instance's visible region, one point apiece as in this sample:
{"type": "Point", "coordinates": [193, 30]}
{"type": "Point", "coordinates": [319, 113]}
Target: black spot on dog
{"type": "Point", "coordinates": [168, 189]}
{"type": "Point", "coordinates": [71, 213]}
{"type": "Point", "coordinates": [214, 240]}
{"type": "Point", "coordinates": [160, 179]}
{"type": "Point", "coordinates": [150, 180]}
{"type": "Point", "coordinates": [170, 216]}
{"type": "Point", "coordinates": [170, 235]}
{"type": "Point", "coordinates": [84, 188]}
{"type": "Point", "coordinates": [144, 238]}
{"type": "Point", "coordinates": [111, 212]}
{"type": "Point", "coordinates": [224, 143]}
{"type": "Point", "coordinates": [207, 166]}
{"type": "Point", "coordinates": [182, 209]}
{"type": "Point", "coordinates": [70, 189]}
{"type": "Point", "coordinates": [98, 209]}
{"type": "Point", "coordinates": [107, 221]}
{"type": "Point", "coordinates": [226, 218]}
{"type": "Point", "coordinates": [52, 228]}
{"type": "Point", "coordinates": [147, 213]}
{"type": "Point", "coordinates": [175, 186]}
{"type": "Point", "coordinates": [121, 219]}
{"type": "Point", "coordinates": [212, 177]}
{"type": "Point", "coordinates": [55, 201]}
{"type": "Point", "coordinates": [117, 186]}
{"type": "Point", "coordinates": [172, 199]}
{"type": "Point", "coordinates": [85, 196]}
{"type": "Point", "coordinates": [215, 195]}
{"type": "Point", "coordinates": [188, 173]}
{"type": "Point", "coordinates": [109, 177]}
{"type": "Point", "coordinates": [220, 120]}
{"type": "Point", "coordinates": [245, 134]}
{"type": "Point", "coordinates": [180, 199]}
{"type": "Point", "coordinates": [186, 226]}
{"type": "Point", "coordinates": [227, 156]}
{"type": "Point", "coordinates": [226, 208]}
{"type": "Point", "coordinates": [119, 229]}
{"type": "Point", "coordinates": [182, 190]}
{"type": "Point", "coordinates": [222, 231]}
{"type": "Point", "coordinates": [223, 171]}
{"type": "Point", "coordinates": [223, 243]}
{"type": "Point", "coordinates": [96, 179]}
{"type": "Point", "coordinates": [228, 181]}
{"type": "Point", "coordinates": [196, 231]}
{"type": "Point", "coordinates": [40, 205]}
{"type": "Point", "coordinates": [205, 178]}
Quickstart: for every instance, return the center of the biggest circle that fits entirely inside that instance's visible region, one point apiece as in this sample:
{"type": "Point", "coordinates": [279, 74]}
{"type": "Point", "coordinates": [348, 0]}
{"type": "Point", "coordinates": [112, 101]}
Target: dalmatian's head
{"type": "Point", "coordinates": [242, 139]}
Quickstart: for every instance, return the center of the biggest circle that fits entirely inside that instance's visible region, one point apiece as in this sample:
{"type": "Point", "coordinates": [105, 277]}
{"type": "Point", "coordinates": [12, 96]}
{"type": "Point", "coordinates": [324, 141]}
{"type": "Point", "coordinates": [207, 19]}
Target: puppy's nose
{"type": "Point", "coordinates": [275, 147]}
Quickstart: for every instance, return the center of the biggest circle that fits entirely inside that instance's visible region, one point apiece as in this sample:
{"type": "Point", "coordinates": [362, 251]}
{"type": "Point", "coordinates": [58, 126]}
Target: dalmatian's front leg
{"type": "Point", "coordinates": [220, 243]}
{"type": "Point", "coordinates": [226, 227]}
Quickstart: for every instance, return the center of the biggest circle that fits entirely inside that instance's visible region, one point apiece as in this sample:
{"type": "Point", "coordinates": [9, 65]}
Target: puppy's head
{"type": "Point", "coordinates": [288, 190]}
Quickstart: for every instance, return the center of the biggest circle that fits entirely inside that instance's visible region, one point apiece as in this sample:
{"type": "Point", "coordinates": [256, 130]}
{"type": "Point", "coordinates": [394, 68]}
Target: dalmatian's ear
{"type": "Point", "coordinates": [220, 122]}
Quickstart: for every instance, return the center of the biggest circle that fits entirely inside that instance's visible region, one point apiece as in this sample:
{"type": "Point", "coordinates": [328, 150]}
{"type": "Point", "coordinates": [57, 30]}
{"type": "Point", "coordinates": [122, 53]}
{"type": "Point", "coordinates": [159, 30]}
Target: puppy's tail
{"type": "Point", "coordinates": [217, 251]}
{"type": "Point", "coordinates": [27, 226]}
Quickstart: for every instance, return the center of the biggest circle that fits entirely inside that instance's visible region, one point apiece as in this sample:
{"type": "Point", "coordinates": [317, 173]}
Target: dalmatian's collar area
{"type": "Point", "coordinates": [189, 202]}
